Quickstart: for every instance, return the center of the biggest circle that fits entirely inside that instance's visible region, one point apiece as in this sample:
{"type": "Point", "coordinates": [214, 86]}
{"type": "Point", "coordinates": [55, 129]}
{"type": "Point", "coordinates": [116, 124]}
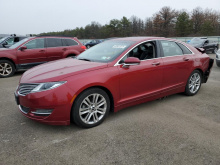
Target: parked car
{"type": "Point", "coordinates": [8, 41]}
{"type": "Point", "coordinates": [92, 43]}
{"type": "Point", "coordinates": [204, 43]}
{"type": "Point", "coordinates": [110, 76]}
{"type": "Point", "coordinates": [37, 50]}
{"type": "Point", "coordinates": [218, 58]}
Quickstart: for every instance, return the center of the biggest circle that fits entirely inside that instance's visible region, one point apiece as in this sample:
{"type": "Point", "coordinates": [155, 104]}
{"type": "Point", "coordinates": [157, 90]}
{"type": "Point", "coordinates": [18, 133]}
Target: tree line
{"type": "Point", "coordinates": [167, 22]}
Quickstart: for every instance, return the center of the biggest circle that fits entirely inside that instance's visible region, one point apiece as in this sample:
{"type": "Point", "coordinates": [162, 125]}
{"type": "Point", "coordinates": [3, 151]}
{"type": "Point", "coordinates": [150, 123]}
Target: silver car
{"type": "Point", "coordinates": [218, 58]}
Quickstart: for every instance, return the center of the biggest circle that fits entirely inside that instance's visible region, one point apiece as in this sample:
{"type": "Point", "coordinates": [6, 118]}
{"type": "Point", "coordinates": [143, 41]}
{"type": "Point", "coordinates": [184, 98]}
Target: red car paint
{"type": "Point", "coordinates": [127, 86]}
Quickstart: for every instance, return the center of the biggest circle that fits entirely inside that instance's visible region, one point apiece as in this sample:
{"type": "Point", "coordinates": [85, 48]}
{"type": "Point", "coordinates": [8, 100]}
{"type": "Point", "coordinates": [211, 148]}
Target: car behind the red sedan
{"type": "Point", "coordinates": [33, 51]}
{"type": "Point", "coordinates": [110, 76]}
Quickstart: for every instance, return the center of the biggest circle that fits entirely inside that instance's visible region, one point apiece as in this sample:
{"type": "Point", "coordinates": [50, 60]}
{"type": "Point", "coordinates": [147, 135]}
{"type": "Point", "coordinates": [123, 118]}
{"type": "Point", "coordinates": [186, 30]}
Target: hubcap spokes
{"type": "Point", "coordinates": [194, 83]}
{"type": "Point", "coordinates": [5, 69]}
{"type": "Point", "coordinates": [93, 108]}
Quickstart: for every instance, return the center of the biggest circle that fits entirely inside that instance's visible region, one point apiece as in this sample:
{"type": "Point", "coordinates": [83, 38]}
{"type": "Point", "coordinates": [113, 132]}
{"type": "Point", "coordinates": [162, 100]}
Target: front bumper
{"type": "Point", "coordinates": [51, 107]}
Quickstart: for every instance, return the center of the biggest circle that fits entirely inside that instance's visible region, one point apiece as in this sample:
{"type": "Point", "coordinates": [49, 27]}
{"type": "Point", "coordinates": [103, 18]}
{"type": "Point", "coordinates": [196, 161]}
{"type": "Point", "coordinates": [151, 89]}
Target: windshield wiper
{"type": "Point", "coordinates": [84, 59]}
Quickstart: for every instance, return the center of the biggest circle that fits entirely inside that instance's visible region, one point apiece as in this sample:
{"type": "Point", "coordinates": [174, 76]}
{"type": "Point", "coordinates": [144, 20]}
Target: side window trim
{"type": "Point", "coordinates": [33, 40]}
{"type": "Point", "coordinates": [157, 53]}
{"type": "Point", "coordinates": [184, 52]}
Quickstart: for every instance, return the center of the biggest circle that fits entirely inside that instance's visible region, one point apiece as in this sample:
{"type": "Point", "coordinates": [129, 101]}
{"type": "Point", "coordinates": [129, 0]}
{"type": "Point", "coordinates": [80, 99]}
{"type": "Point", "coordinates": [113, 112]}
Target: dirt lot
{"type": "Point", "coordinates": [176, 130]}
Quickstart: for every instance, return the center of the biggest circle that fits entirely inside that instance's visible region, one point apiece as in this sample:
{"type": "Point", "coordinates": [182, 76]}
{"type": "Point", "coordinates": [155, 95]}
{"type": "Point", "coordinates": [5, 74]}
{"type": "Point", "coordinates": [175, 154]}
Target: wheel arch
{"type": "Point", "coordinates": [5, 58]}
{"type": "Point", "coordinates": [100, 87]}
{"type": "Point", "coordinates": [201, 72]}
{"type": "Point", "coordinates": [72, 52]}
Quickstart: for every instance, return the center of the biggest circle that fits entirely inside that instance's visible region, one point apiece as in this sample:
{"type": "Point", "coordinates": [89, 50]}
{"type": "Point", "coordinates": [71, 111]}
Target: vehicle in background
{"type": "Point", "coordinates": [92, 43]}
{"type": "Point", "coordinates": [204, 43]}
{"type": "Point", "coordinates": [110, 76]}
{"type": "Point", "coordinates": [218, 58]}
{"type": "Point", "coordinates": [8, 41]}
{"type": "Point", "coordinates": [37, 50]}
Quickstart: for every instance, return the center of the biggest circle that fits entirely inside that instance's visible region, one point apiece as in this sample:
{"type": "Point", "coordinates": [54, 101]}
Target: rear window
{"type": "Point", "coordinates": [54, 42]}
{"type": "Point", "coordinates": [70, 42]}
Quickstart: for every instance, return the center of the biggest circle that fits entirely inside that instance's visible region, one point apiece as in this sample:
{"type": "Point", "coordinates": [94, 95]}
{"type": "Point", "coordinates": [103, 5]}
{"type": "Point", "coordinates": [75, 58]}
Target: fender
{"type": "Point", "coordinates": [9, 56]}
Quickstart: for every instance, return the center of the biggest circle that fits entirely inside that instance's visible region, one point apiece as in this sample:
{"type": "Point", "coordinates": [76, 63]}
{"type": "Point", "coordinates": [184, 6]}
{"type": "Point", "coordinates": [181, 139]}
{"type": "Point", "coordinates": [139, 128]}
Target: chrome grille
{"type": "Point", "coordinates": [25, 89]}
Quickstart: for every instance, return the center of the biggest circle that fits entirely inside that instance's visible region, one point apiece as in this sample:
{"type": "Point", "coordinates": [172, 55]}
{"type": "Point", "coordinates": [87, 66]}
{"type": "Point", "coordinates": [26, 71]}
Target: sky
{"type": "Point", "coordinates": [38, 16]}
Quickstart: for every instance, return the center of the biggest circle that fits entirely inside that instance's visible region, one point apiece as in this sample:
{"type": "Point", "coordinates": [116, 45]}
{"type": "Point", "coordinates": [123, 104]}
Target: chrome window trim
{"type": "Point", "coordinates": [117, 63]}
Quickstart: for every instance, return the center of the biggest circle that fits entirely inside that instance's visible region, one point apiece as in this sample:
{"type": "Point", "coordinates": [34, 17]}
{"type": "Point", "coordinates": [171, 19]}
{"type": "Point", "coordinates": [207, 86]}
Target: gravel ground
{"type": "Point", "coordinates": [176, 130]}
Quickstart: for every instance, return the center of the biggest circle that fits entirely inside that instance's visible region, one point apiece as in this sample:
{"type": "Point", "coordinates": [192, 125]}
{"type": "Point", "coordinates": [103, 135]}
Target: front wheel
{"type": "Point", "coordinates": [7, 68]}
{"type": "Point", "coordinates": [194, 83]}
{"type": "Point", "coordinates": [91, 108]}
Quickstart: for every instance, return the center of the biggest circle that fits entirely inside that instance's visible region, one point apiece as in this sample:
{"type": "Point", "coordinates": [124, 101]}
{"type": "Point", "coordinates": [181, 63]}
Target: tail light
{"type": "Point", "coordinates": [83, 47]}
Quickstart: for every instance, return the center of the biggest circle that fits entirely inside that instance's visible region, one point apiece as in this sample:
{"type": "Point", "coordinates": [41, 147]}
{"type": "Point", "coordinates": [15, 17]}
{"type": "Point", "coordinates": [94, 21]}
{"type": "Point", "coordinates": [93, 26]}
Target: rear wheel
{"type": "Point", "coordinates": [88, 46]}
{"type": "Point", "coordinates": [91, 108]}
{"type": "Point", "coordinates": [194, 83]}
{"type": "Point", "coordinates": [7, 68]}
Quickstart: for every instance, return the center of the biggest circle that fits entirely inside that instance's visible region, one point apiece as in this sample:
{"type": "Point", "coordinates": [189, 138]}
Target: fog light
{"type": "Point", "coordinates": [42, 112]}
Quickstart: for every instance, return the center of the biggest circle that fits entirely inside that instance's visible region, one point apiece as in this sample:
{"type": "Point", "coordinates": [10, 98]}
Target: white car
{"type": "Point", "coordinates": [218, 58]}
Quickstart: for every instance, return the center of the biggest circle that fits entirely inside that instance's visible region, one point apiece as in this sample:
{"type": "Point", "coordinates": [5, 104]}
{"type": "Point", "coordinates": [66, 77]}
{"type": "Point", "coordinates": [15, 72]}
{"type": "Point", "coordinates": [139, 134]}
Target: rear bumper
{"type": "Point", "coordinates": [208, 71]}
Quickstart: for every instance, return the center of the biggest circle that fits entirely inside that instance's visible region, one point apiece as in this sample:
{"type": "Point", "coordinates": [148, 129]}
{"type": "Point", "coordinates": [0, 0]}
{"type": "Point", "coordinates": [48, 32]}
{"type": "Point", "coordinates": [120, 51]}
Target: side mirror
{"type": "Point", "coordinates": [23, 48]}
{"type": "Point", "coordinates": [131, 61]}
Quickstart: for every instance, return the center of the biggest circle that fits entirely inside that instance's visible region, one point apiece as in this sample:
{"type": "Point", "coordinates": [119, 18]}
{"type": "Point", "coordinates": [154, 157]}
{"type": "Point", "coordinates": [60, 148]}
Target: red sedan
{"type": "Point", "coordinates": [108, 77]}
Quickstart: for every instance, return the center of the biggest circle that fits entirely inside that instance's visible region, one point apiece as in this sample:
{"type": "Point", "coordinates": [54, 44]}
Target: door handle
{"type": "Point", "coordinates": [185, 59]}
{"type": "Point", "coordinates": [64, 49]}
{"type": "Point", "coordinates": [156, 63]}
{"type": "Point", "coordinates": [42, 51]}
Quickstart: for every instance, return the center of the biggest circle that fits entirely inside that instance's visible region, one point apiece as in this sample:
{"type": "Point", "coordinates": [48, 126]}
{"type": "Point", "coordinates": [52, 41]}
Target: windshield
{"type": "Point", "coordinates": [19, 43]}
{"type": "Point", "coordinates": [105, 52]}
{"type": "Point", "coordinates": [196, 41]}
{"type": "Point", "coordinates": [2, 39]}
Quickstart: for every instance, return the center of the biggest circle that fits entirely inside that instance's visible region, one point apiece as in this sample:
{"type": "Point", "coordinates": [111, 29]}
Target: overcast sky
{"type": "Point", "coordinates": [38, 16]}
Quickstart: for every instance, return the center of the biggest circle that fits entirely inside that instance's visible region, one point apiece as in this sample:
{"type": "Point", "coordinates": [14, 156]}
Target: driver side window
{"type": "Point", "coordinates": [143, 51]}
{"type": "Point", "coordinates": [35, 44]}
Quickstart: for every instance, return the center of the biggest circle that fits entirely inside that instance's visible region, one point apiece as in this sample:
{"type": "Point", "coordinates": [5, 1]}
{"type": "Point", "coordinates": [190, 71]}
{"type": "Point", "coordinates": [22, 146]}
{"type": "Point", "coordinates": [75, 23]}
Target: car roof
{"type": "Point", "coordinates": [140, 39]}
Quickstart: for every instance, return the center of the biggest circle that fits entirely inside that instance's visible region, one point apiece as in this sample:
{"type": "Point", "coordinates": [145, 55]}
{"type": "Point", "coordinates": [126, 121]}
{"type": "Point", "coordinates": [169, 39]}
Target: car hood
{"type": "Point", "coordinates": [4, 49]}
{"type": "Point", "coordinates": [59, 70]}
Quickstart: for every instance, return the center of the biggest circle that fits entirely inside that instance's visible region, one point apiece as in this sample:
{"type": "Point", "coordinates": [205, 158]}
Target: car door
{"type": "Point", "coordinates": [55, 48]}
{"type": "Point", "coordinates": [143, 80]}
{"type": "Point", "coordinates": [177, 66]}
{"type": "Point", "coordinates": [34, 54]}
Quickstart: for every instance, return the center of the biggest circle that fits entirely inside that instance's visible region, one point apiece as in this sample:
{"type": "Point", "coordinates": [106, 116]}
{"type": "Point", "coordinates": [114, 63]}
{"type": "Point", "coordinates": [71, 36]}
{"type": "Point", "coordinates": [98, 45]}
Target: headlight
{"type": "Point", "coordinates": [47, 86]}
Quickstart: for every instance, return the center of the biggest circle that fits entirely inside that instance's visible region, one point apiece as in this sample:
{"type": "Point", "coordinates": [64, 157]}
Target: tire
{"type": "Point", "coordinates": [88, 46]}
{"type": "Point", "coordinates": [218, 63]}
{"type": "Point", "coordinates": [90, 108]}
{"type": "Point", "coordinates": [194, 83]}
{"type": "Point", "coordinates": [7, 68]}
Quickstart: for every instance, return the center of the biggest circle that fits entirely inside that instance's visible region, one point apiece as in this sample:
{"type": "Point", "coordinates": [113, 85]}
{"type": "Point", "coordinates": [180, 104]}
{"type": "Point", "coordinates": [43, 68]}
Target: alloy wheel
{"type": "Point", "coordinates": [194, 82]}
{"type": "Point", "coordinates": [5, 69]}
{"type": "Point", "coordinates": [93, 108]}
